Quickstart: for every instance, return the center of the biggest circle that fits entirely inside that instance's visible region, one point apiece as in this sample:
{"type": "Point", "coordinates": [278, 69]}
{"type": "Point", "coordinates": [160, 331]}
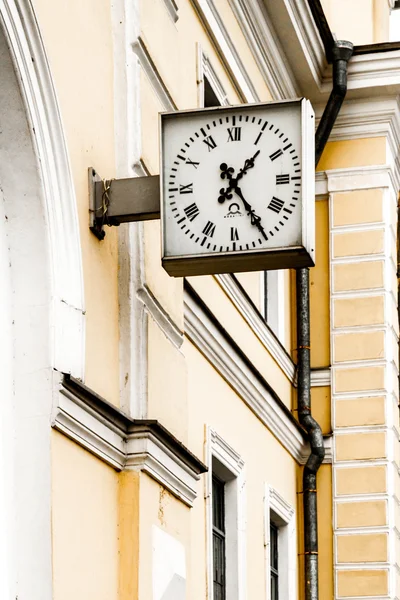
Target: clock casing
{"type": "Point", "coordinates": [237, 188]}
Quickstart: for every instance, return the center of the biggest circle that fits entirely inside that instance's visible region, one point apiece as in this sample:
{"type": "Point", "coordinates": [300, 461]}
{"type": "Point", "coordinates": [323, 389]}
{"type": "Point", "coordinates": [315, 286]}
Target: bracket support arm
{"type": "Point", "coordinates": [116, 201]}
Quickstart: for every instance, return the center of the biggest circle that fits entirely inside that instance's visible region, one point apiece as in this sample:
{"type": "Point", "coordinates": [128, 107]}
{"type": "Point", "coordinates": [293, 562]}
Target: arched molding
{"type": "Point", "coordinates": [67, 296]}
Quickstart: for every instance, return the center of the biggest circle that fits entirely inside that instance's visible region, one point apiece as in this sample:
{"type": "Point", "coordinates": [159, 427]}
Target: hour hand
{"type": "Point", "coordinates": [226, 173]}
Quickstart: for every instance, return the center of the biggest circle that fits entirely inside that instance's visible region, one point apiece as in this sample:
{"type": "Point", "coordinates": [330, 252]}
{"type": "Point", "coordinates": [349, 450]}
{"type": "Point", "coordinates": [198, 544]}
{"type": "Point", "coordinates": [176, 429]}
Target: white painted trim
{"type": "Point", "coordinates": [226, 48]}
{"type": "Point", "coordinates": [139, 451]}
{"type": "Point", "coordinates": [172, 9]}
{"type": "Point", "coordinates": [89, 430]}
{"type": "Point", "coordinates": [160, 316]}
{"type": "Point", "coordinates": [261, 38]}
{"type": "Point", "coordinates": [257, 324]}
{"type": "Point", "coordinates": [153, 75]}
{"type": "Point", "coordinates": [282, 514]}
{"type": "Point", "coordinates": [235, 515]}
{"type": "Point", "coordinates": [210, 342]}
{"type": "Point", "coordinates": [321, 377]}
{"type": "Point", "coordinates": [146, 453]}
{"type": "Point", "coordinates": [67, 314]}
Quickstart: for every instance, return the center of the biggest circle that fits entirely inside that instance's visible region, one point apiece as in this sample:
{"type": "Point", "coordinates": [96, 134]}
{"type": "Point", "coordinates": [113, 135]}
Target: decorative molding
{"type": "Point", "coordinates": [153, 75]}
{"type": "Point", "coordinates": [228, 53]}
{"type": "Point", "coordinates": [321, 377]}
{"type": "Point", "coordinates": [125, 443]}
{"type": "Point", "coordinates": [225, 453]}
{"type": "Point", "coordinates": [67, 314]}
{"type": "Point", "coordinates": [356, 178]}
{"type": "Point", "coordinates": [160, 316]}
{"type": "Point", "coordinates": [263, 42]}
{"type": "Point", "coordinates": [257, 324]}
{"type": "Point", "coordinates": [207, 338]}
{"type": "Point", "coordinates": [172, 9]}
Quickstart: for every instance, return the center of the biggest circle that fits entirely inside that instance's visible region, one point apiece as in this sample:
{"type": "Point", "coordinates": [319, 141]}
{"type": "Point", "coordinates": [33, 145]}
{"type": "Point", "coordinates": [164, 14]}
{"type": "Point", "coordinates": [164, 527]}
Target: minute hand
{"type": "Point", "coordinates": [254, 219]}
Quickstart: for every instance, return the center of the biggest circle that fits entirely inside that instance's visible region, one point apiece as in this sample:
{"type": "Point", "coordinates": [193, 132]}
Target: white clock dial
{"type": "Point", "coordinates": [232, 180]}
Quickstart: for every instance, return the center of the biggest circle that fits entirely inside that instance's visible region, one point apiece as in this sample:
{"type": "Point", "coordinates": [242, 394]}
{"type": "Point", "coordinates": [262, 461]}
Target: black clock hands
{"type": "Point", "coordinates": [226, 193]}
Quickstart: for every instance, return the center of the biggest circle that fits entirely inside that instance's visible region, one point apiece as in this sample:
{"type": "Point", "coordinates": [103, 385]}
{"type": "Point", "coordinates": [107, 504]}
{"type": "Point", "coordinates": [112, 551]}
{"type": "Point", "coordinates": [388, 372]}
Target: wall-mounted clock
{"type": "Point", "coordinates": [237, 188]}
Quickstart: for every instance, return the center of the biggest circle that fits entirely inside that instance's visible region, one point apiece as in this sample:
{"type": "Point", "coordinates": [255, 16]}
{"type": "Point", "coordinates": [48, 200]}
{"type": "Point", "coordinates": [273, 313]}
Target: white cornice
{"type": "Point", "coordinates": [256, 322]}
{"type": "Point", "coordinates": [124, 446]}
{"type": "Point", "coordinates": [212, 344]}
{"type": "Point", "coordinates": [267, 51]}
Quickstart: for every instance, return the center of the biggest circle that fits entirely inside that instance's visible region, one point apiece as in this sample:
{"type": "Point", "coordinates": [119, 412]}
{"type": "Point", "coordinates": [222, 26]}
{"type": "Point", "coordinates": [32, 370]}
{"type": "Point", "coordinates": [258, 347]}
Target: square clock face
{"type": "Point", "coordinates": [237, 188]}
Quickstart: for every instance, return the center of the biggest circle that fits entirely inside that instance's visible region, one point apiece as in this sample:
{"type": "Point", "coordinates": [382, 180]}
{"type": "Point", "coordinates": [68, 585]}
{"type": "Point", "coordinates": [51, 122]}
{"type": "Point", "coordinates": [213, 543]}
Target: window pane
{"type": "Point", "coordinates": [218, 512]}
{"type": "Point", "coordinates": [218, 504]}
{"type": "Point", "coordinates": [273, 536]}
{"type": "Point", "coordinates": [210, 97]}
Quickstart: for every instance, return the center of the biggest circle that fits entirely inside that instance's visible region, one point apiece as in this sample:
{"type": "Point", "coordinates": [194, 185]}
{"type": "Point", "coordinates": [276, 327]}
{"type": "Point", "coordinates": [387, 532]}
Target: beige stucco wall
{"type": "Point", "coordinates": [84, 524]}
{"type": "Point", "coordinates": [358, 21]}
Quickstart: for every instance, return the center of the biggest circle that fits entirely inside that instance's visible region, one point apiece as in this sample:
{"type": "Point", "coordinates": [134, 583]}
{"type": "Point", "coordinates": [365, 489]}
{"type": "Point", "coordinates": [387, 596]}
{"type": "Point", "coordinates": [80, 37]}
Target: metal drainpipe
{"type": "Point", "coordinates": [342, 52]}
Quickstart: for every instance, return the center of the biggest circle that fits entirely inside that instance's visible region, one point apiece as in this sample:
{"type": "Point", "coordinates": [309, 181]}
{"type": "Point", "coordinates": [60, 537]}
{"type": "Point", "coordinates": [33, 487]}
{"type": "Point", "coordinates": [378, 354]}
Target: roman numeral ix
{"type": "Point", "coordinates": [276, 205]}
{"type": "Point", "coordinates": [186, 189]}
{"type": "Point", "coordinates": [209, 229]}
{"type": "Point", "coordinates": [234, 134]}
{"type": "Point", "coordinates": [191, 211]}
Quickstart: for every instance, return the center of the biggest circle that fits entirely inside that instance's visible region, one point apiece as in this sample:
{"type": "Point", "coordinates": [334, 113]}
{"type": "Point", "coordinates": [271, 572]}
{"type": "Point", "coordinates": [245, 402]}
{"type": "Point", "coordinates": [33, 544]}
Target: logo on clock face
{"type": "Point", "coordinates": [234, 211]}
{"type": "Point", "coordinates": [234, 165]}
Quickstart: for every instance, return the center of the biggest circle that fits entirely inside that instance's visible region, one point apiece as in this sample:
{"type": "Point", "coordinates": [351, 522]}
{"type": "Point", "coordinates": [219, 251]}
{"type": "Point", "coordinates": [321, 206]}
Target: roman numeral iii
{"type": "Point", "coordinates": [210, 143]}
{"type": "Point", "coordinates": [276, 205]}
{"type": "Point", "coordinates": [191, 211]}
{"type": "Point", "coordinates": [209, 229]}
{"type": "Point", "coordinates": [282, 179]}
{"type": "Point", "coordinates": [234, 134]}
{"type": "Point", "coordinates": [186, 189]}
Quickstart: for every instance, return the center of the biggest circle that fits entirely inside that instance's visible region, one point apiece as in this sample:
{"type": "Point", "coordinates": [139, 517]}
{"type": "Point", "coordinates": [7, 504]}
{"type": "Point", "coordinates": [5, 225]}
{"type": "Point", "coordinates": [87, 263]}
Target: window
{"type": "Point", "coordinates": [272, 301]}
{"type": "Point", "coordinates": [225, 495]}
{"type": "Point", "coordinates": [280, 547]}
{"type": "Point", "coordinates": [274, 567]}
{"type": "Point", "coordinates": [211, 91]}
{"type": "Point", "coordinates": [218, 525]}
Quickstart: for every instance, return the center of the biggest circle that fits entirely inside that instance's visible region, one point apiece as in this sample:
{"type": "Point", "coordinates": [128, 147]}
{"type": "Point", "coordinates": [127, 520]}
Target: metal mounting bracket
{"type": "Point", "coordinates": [116, 201]}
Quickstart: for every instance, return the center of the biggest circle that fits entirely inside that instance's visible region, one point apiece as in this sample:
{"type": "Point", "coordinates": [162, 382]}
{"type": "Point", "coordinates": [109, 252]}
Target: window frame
{"type": "Point", "coordinates": [272, 302]}
{"type": "Point", "coordinates": [224, 462]}
{"type": "Point", "coordinates": [205, 70]}
{"type": "Point", "coordinates": [282, 515]}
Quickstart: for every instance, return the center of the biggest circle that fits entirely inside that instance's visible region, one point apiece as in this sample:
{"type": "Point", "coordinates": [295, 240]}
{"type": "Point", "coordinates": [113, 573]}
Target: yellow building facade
{"type": "Point", "coordinates": [150, 447]}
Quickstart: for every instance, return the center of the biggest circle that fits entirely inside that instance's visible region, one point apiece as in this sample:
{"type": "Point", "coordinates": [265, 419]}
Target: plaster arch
{"type": "Point", "coordinates": [41, 299]}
